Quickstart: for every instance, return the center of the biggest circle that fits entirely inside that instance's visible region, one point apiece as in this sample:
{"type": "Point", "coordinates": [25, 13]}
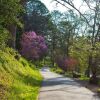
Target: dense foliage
{"type": "Point", "coordinates": [73, 41]}
{"type": "Point", "coordinates": [33, 46]}
{"type": "Point", "coordinates": [67, 64]}
{"type": "Point", "coordinates": [9, 18]}
{"type": "Point", "coordinates": [9, 12]}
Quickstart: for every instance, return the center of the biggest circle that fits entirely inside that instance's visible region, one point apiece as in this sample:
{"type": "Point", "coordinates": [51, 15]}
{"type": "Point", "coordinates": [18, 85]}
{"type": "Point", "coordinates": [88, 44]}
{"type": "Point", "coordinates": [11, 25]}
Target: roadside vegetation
{"type": "Point", "coordinates": [19, 79]}
{"type": "Point", "coordinates": [32, 37]}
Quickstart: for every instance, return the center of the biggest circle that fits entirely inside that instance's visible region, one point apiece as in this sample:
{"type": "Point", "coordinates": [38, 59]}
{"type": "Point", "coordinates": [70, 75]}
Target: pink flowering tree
{"type": "Point", "coordinates": [33, 46]}
{"type": "Point", "coordinates": [67, 63]}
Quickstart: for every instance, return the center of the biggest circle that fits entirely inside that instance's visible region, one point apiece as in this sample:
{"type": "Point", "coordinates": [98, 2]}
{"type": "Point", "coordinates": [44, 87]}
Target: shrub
{"type": "Point", "coordinates": [76, 75]}
{"type": "Point", "coordinates": [66, 63]}
{"type": "Point", "coordinates": [3, 37]}
{"type": "Point", "coordinates": [33, 46]}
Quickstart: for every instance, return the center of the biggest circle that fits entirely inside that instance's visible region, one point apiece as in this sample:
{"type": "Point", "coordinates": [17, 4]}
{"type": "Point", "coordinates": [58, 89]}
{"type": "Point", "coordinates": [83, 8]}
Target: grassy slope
{"type": "Point", "coordinates": [18, 81]}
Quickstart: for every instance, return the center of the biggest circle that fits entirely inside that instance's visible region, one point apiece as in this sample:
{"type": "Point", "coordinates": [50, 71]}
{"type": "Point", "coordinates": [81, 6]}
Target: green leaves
{"type": "Point", "coordinates": [9, 15]}
{"type": "Point", "coordinates": [9, 11]}
{"type": "Point", "coordinates": [3, 37]}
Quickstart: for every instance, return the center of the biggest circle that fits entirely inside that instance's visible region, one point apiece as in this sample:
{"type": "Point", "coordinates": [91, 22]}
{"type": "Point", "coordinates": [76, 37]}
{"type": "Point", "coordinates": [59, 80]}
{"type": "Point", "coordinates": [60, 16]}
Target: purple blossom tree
{"type": "Point", "coordinates": [33, 46]}
{"type": "Point", "coordinates": [66, 63]}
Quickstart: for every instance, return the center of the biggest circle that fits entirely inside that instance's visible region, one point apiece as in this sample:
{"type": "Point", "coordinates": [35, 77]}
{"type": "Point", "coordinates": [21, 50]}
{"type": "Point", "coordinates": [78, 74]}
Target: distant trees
{"type": "Point", "coordinates": [35, 18]}
{"type": "Point", "coordinates": [91, 27]}
{"type": "Point", "coordinates": [21, 16]}
{"type": "Point", "coordinates": [33, 46]}
{"type": "Point", "coordinates": [67, 64]}
{"type": "Point", "coordinates": [61, 34]}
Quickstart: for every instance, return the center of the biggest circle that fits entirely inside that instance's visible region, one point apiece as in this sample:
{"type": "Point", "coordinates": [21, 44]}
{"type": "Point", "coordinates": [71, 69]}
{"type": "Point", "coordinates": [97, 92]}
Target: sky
{"type": "Point", "coordinates": [52, 5]}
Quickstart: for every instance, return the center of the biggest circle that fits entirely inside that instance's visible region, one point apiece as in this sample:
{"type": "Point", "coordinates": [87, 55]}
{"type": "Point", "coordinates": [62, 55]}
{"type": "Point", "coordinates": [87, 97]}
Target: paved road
{"type": "Point", "coordinates": [57, 87]}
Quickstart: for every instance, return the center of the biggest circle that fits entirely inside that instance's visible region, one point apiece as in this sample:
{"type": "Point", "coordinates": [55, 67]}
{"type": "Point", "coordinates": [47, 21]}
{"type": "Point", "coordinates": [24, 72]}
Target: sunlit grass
{"type": "Point", "coordinates": [84, 78]}
{"type": "Point", "coordinates": [18, 80]}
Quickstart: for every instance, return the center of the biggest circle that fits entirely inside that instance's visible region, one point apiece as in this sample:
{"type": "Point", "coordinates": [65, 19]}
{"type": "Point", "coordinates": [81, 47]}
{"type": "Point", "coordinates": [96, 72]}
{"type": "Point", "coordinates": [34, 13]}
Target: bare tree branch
{"type": "Point", "coordinates": [70, 4]}
{"type": "Point", "coordinates": [98, 33]}
{"type": "Point", "coordinates": [89, 5]}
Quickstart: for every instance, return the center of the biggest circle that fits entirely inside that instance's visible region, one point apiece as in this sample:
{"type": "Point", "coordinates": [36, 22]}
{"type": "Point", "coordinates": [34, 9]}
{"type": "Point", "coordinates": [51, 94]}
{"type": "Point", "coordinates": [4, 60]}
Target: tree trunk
{"type": "Point", "coordinates": [89, 66]}
{"type": "Point", "coordinates": [94, 79]}
{"type": "Point", "coordinates": [12, 29]}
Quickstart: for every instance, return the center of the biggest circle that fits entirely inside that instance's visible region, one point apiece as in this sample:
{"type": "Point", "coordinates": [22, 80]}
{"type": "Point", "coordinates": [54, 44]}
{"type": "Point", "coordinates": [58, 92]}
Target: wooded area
{"type": "Point", "coordinates": [69, 41]}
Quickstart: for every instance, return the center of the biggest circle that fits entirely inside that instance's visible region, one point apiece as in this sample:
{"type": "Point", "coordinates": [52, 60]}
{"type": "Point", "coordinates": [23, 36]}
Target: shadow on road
{"type": "Point", "coordinates": [66, 85]}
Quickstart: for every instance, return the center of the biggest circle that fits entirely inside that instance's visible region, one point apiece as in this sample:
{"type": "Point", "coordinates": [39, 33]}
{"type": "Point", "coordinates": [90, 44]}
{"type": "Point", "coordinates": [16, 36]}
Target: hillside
{"type": "Point", "coordinates": [19, 79]}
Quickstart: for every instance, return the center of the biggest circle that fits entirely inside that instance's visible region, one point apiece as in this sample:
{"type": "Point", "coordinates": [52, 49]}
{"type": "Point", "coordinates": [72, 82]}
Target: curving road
{"type": "Point", "coordinates": [57, 87]}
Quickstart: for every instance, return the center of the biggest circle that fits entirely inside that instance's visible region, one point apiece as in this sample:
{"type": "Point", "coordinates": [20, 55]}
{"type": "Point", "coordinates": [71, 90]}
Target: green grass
{"type": "Point", "coordinates": [84, 78]}
{"type": "Point", "coordinates": [60, 71]}
{"type": "Point", "coordinates": [98, 91]}
{"type": "Point", "coordinates": [69, 74]}
{"type": "Point", "coordinates": [56, 70]}
{"type": "Point", "coordinates": [18, 81]}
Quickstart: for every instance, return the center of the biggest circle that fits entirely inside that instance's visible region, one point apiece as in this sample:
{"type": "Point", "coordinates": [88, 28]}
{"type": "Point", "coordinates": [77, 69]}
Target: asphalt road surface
{"type": "Point", "coordinates": [57, 87]}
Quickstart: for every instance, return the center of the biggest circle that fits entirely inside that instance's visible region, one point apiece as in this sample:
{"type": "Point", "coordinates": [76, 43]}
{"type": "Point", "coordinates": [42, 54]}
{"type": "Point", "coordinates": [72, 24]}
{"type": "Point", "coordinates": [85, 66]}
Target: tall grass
{"type": "Point", "coordinates": [18, 81]}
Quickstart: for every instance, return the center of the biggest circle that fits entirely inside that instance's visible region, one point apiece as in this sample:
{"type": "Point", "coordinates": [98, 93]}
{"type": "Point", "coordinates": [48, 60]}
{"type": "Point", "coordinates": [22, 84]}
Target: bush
{"type": "Point", "coordinates": [33, 46]}
{"type": "Point", "coordinates": [66, 64]}
{"type": "Point", "coordinates": [76, 75]}
{"type": "Point", "coordinates": [3, 37]}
